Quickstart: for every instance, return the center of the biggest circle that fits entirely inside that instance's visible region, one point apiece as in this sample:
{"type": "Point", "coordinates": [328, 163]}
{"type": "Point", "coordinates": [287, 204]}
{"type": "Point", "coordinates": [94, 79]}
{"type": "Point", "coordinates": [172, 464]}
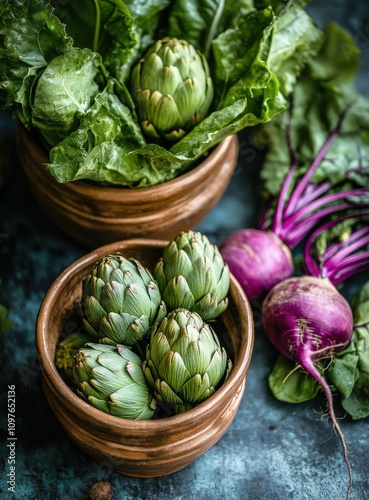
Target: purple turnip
{"type": "Point", "coordinates": [305, 317]}
{"type": "Point", "coordinates": [307, 320]}
{"type": "Point", "coordinates": [258, 259]}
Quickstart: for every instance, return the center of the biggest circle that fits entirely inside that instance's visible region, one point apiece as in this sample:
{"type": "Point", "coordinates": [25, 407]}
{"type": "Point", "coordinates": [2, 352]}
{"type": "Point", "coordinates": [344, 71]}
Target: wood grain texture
{"type": "Point", "coordinates": [96, 215]}
{"type": "Point", "coordinates": [150, 448]}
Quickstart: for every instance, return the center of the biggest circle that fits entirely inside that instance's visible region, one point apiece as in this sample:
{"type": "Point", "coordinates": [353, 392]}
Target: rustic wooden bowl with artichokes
{"type": "Point", "coordinates": [140, 448]}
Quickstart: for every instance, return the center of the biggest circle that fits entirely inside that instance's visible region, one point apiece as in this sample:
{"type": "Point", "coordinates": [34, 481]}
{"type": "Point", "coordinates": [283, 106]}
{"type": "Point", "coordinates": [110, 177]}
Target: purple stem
{"type": "Point", "coordinates": [311, 264]}
{"type": "Point", "coordinates": [304, 212]}
{"type": "Point", "coordinates": [278, 216]}
{"type": "Point", "coordinates": [348, 250]}
{"type": "Point", "coordinates": [342, 244]}
{"type": "Point", "coordinates": [312, 192]}
{"type": "Point", "coordinates": [294, 234]}
{"type": "Point", "coordinates": [277, 224]}
{"type": "Point", "coordinates": [358, 258]}
{"type": "Point", "coordinates": [349, 271]}
{"type": "Point", "coordinates": [298, 191]}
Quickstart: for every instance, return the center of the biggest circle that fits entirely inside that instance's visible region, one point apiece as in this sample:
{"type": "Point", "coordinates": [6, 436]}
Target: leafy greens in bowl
{"type": "Point", "coordinates": [65, 70]}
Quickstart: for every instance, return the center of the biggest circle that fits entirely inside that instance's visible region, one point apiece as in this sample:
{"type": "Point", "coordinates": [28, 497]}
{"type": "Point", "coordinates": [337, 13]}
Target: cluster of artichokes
{"type": "Point", "coordinates": [146, 342]}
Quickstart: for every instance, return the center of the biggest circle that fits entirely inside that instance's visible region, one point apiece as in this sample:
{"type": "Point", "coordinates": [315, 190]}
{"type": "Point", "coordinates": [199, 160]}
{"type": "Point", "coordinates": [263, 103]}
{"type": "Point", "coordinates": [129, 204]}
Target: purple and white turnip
{"type": "Point", "coordinates": [306, 318]}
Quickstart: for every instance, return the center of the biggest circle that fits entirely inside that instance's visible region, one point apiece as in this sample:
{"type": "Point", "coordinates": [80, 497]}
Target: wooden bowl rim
{"type": "Point", "coordinates": [91, 413]}
{"type": "Point", "coordinates": [164, 189]}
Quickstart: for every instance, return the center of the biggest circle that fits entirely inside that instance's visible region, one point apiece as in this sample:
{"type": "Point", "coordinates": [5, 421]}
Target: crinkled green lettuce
{"type": "Point", "coordinates": [73, 83]}
{"type": "Point", "coordinates": [64, 93]}
{"type": "Point", "coordinates": [200, 22]}
{"type": "Point", "coordinates": [31, 36]}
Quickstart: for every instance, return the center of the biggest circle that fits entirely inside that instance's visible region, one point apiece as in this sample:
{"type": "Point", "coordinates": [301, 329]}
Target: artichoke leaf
{"type": "Point", "coordinates": [115, 326]}
{"type": "Point", "coordinates": [159, 347]}
{"type": "Point", "coordinates": [178, 294]}
{"type": "Point", "coordinates": [108, 378]}
{"type": "Point", "coordinates": [99, 404]}
{"type": "Point", "coordinates": [196, 358]}
{"type": "Point", "coordinates": [165, 393]}
{"type": "Point", "coordinates": [217, 366]}
{"type": "Point", "coordinates": [209, 307]}
{"type": "Point", "coordinates": [209, 283]}
{"type": "Point", "coordinates": [135, 372]}
{"type": "Point", "coordinates": [119, 277]}
{"type": "Point", "coordinates": [88, 390]}
{"type": "Point", "coordinates": [93, 311]}
{"type": "Point", "coordinates": [150, 373]}
{"type": "Point", "coordinates": [112, 296]}
{"type": "Point", "coordinates": [179, 264]}
{"type": "Point", "coordinates": [173, 370]}
{"type": "Point", "coordinates": [136, 300]}
{"type": "Point", "coordinates": [197, 389]}
{"type": "Point", "coordinates": [93, 285]}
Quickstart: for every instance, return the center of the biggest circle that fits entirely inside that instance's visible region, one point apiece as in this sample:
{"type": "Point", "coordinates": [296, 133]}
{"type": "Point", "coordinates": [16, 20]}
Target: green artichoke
{"type": "Point", "coordinates": [66, 350]}
{"type": "Point", "coordinates": [120, 301]}
{"type": "Point", "coordinates": [111, 379]}
{"type": "Point", "coordinates": [184, 360]}
{"type": "Point", "coordinates": [192, 274]}
{"type": "Point", "coordinates": [172, 88]}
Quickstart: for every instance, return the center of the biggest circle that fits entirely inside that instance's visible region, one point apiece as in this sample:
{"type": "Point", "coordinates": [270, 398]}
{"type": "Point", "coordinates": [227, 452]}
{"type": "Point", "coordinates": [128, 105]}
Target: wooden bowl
{"type": "Point", "coordinates": [96, 215]}
{"type": "Point", "coordinates": [136, 448]}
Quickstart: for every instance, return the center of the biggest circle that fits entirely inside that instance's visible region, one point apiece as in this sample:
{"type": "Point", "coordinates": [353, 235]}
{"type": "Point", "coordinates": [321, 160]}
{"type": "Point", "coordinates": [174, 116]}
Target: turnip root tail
{"type": "Point", "coordinates": [308, 365]}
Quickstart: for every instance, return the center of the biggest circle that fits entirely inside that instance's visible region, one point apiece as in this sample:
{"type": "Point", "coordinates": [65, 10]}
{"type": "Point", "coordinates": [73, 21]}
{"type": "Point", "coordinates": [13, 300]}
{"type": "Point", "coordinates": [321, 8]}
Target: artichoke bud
{"type": "Point", "coordinates": [172, 88]}
{"type": "Point", "coordinates": [66, 351]}
{"type": "Point", "coordinates": [184, 360]}
{"type": "Point", "coordinates": [111, 379]}
{"type": "Point", "coordinates": [192, 274]}
{"type": "Point", "coordinates": [120, 301]}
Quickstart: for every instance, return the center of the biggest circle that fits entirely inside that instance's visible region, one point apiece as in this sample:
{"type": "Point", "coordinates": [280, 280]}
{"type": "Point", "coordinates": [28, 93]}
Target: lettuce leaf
{"type": "Point", "coordinates": [69, 97]}
{"type": "Point", "coordinates": [199, 22]}
{"type": "Point", "coordinates": [110, 28]}
{"type": "Point", "coordinates": [295, 42]}
{"type": "Point", "coordinates": [64, 93]}
{"type": "Point", "coordinates": [30, 37]}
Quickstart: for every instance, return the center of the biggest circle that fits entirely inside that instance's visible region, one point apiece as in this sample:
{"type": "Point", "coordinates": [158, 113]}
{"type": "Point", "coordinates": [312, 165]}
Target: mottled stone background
{"type": "Point", "coordinates": [271, 451]}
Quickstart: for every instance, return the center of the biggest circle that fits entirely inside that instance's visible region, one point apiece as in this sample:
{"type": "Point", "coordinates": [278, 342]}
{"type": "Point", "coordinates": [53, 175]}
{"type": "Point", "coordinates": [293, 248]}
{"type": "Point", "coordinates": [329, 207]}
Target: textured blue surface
{"type": "Point", "coordinates": [271, 451]}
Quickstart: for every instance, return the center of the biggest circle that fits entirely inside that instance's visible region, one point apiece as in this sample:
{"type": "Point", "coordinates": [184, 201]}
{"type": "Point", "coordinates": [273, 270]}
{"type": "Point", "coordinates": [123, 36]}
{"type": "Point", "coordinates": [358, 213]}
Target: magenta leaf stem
{"type": "Point", "coordinates": [332, 250]}
{"type": "Point", "coordinates": [301, 186]}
